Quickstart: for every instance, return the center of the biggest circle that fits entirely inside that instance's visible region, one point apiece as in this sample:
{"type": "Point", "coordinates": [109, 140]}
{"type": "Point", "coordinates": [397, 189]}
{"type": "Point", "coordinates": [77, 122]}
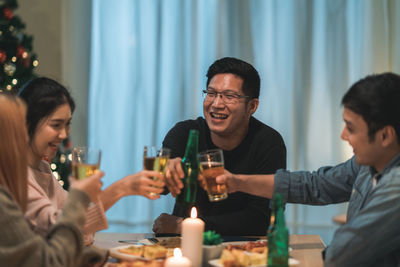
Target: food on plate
{"type": "Point", "coordinates": [249, 246]}
{"type": "Point", "coordinates": [171, 242]}
{"type": "Point", "coordinates": [155, 252]}
{"type": "Point", "coordinates": [133, 250]}
{"type": "Point", "coordinates": [148, 252]}
{"type": "Point", "coordinates": [246, 254]}
{"type": "Point", "coordinates": [137, 263]}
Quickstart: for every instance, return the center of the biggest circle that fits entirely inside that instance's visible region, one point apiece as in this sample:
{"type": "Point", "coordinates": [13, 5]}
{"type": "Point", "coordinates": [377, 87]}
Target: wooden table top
{"type": "Point", "coordinates": [306, 248]}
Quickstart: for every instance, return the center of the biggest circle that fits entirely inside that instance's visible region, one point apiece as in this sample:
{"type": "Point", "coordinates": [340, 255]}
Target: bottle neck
{"type": "Point", "coordinates": [280, 217]}
{"type": "Point", "coordinates": [192, 146]}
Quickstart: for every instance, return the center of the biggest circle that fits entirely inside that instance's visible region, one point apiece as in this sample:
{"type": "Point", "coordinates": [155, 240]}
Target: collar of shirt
{"type": "Point", "coordinates": [377, 176]}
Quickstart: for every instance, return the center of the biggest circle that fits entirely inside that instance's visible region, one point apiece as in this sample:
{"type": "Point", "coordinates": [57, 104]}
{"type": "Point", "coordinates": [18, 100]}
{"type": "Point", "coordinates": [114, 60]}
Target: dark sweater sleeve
{"type": "Point", "coordinates": [62, 246]}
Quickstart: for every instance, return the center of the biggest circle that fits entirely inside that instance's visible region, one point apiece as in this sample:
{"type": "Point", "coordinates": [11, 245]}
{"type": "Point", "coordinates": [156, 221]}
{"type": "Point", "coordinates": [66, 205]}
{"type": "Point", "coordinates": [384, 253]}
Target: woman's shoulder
{"type": "Point", "coordinates": [4, 193]}
{"type": "Point", "coordinates": [6, 199]}
{"type": "Point", "coordinates": [42, 182]}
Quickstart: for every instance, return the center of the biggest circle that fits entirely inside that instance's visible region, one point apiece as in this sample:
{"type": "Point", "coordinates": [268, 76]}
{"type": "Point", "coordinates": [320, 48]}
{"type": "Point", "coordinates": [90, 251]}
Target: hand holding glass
{"type": "Point", "coordinates": [211, 166]}
{"type": "Point", "coordinates": [85, 161]}
{"type": "Point", "coordinates": [155, 159]}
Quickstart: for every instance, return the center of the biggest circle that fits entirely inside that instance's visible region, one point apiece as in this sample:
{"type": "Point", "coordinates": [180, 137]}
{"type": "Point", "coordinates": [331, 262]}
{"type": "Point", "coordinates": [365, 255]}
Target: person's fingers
{"type": "Point", "coordinates": [221, 179]}
{"type": "Point", "coordinates": [157, 183]}
{"type": "Point", "coordinates": [152, 195]}
{"type": "Point", "coordinates": [172, 179]}
{"type": "Point", "coordinates": [181, 174]}
{"type": "Point", "coordinates": [157, 190]}
{"type": "Point", "coordinates": [177, 175]}
{"type": "Point", "coordinates": [150, 191]}
{"type": "Point", "coordinates": [146, 182]}
{"type": "Point", "coordinates": [155, 175]}
{"type": "Point", "coordinates": [97, 175]}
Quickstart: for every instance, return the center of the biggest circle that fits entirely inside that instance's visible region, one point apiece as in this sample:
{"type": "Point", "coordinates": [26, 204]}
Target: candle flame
{"type": "Point", "coordinates": [177, 252]}
{"type": "Point", "coordinates": [193, 213]}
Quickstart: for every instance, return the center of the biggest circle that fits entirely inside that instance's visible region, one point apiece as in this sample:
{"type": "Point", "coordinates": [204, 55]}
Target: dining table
{"type": "Point", "coordinates": [306, 249]}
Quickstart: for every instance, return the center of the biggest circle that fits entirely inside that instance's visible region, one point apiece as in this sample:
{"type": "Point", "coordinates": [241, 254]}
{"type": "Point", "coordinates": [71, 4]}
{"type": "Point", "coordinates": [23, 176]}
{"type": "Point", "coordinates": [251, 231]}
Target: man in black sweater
{"type": "Point", "coordinates": [249, 147]}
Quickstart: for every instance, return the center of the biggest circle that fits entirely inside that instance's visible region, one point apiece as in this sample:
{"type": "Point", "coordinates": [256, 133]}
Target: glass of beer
{"type": "Point", "coordinates": [155, 159]}
{"type": "Point", "coordinates": [212, 165]}
{"type": "Point", "coordinates": [85, 161]}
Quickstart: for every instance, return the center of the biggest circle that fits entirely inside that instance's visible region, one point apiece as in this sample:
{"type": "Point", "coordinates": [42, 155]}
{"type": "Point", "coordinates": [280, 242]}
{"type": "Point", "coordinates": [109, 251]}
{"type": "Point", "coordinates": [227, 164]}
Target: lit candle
{"type": "Point", "coordinates": [192, 238]}
{"type": "Point", "coordinates": [177, 260]}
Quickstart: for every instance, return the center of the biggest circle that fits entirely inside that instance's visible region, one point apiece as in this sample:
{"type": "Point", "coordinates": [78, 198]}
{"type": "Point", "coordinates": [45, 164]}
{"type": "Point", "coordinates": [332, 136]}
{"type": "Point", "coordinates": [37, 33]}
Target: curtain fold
{"type": "Point", "coordinates": [149, 60]}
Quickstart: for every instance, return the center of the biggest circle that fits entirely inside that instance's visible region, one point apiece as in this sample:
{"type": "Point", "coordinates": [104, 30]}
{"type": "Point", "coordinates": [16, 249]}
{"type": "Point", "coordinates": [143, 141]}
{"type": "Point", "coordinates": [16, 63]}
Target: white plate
{"type": "Point", "coordinates": [216, 263]}
{"type": "Point", "coordinates": [114, 252]}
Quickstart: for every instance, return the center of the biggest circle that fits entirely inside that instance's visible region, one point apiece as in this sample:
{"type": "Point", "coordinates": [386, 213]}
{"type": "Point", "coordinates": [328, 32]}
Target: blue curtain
{"type": "Point", "coordinates": [148, 65]}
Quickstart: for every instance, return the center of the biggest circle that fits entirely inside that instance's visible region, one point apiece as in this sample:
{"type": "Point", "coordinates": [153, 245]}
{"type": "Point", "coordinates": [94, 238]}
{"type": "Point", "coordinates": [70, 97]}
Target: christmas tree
{"type": "Point", "coordinates": [17, 64]}
{"type": "Point", "coordinates": [17, 59]}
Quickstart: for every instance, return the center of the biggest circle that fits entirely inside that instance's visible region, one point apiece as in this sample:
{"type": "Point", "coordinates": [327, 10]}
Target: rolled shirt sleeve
{"type": "Point", "coordinates": [327, 185]}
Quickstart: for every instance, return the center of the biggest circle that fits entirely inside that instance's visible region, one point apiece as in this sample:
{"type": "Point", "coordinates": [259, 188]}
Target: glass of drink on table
{"type": "Point", "coordinates": [155, 159]}
{"type": "Point", "coordinates": [211, 165]}
{"type": "Point", "coordinates": [85, 161]}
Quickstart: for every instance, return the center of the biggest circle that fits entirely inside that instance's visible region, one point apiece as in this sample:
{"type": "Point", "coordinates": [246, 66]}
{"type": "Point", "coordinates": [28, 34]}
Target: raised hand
{"type": "Point", "coordinates": [174, 175]}
{"type": "Point", "coordinates": [229, 179]}
{"type": "Point", "coordinates": [91, 185]}
{"type": "Point", "coordinates": [142, 183]}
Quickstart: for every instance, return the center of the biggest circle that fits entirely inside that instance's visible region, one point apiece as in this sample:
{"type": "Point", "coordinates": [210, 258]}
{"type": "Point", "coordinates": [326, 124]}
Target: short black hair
{"type": "Point", "coordinates": [249, 75]}
{"type": "Point", "coordinates": [43, 96]}
{"type": "Point", "coordinates": [377, 99]}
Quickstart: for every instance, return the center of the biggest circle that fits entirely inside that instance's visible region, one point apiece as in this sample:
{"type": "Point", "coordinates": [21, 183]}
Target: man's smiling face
{"type": "Point", "coordinates": [225, 119]}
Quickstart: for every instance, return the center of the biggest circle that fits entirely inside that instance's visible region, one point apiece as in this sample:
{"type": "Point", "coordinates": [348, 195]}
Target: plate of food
{"type": "Point", "coordinates": [253, 253]}
{"type": "Point", "coordinates": [140, 252]}
{"type": "Point", "coordinates": [136, 263]}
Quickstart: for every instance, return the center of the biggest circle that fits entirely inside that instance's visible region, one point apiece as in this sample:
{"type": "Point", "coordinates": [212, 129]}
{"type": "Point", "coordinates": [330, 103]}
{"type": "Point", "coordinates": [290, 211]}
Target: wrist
{"type": "Point", "coordinates": [117, 190]}
{"type": "Point", "coordinates": [240, 182]}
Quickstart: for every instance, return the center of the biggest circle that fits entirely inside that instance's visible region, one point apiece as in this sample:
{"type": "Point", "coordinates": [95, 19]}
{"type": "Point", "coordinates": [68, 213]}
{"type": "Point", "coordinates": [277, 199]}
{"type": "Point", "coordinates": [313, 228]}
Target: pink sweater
{"type": "Point", "coordinates": [46, 199]}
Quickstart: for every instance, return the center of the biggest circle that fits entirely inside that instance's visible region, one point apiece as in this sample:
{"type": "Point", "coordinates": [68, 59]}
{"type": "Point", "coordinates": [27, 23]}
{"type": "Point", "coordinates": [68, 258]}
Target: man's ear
{"type": "Point", "coordinates": [388, 135]}
{"type": "Point", "coordinates": [253, 105]}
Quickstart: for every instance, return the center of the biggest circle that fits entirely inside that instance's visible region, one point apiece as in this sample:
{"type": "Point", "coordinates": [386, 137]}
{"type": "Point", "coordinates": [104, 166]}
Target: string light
{"type": "Point", "coordinates": [35, 63]}
{"type": "Point", "coordinates": [62, 158]}
{"type": "Point", "coordinates": [14, 59]}
{"type": "Point", "coordinates": [56, 175]}
{"type": "Point", "coordinates": [53, 166]}
{"type": "Point", "coordinates": [14, 81]}
{"type": "Point", "coordinates": [8, 87]}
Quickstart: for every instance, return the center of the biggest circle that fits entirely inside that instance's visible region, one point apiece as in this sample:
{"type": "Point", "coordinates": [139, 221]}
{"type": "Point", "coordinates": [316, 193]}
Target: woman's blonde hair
{"type": "Point", "coordinates": [13, 147]}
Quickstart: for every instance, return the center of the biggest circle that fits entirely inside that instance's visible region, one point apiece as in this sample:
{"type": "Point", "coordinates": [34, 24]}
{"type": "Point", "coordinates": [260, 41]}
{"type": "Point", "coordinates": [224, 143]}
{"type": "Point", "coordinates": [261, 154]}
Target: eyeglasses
{"type": "Point", "coordinates": [227, 97]}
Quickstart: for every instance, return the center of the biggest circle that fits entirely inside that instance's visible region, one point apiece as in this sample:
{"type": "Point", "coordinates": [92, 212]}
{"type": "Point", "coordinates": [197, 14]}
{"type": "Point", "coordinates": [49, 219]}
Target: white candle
{"type": "Point", "coordinates": [192, 238]}
{"type": "Point", "coordinates": [177, 260]}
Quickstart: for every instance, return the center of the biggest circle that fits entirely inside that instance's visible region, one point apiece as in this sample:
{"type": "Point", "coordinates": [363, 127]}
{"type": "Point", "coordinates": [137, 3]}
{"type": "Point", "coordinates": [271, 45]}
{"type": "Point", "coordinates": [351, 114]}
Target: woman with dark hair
{"type": "Point", "coordinates": [19, 245]}
{"type": "Point", "coordinates": [49, 114]}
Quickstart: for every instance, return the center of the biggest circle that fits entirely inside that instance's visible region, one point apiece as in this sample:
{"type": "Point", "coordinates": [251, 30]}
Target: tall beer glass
{"type": "Point", "coordinates": [155, 159]}
{"type": "Point", "coordinates": [212, 165]}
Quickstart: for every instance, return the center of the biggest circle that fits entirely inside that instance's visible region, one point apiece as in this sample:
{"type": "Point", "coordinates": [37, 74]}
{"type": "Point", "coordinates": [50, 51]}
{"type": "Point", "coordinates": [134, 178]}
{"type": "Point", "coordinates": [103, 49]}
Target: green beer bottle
{"type": "Point", "coordinates": [278, 235]}
{"type": "Point", "coordinates": [190, 166]}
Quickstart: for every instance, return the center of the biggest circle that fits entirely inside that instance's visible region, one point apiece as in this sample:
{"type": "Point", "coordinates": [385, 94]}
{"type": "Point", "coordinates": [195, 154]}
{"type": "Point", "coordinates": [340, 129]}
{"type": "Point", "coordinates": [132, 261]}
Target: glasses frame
{"type": "Point", "coordinates": [210, 96]}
